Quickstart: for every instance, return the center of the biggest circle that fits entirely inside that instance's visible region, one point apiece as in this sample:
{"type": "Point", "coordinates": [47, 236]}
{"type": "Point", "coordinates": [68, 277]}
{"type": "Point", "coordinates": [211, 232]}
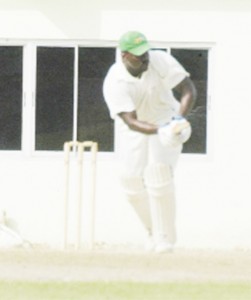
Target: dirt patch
{"type": "Point", "coordinates": [125, 265]}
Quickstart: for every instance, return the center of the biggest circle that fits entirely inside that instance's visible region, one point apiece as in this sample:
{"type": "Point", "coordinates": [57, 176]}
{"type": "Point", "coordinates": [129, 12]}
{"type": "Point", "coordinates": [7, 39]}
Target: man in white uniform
{"type": "Point", "coordinates": [151, 129]}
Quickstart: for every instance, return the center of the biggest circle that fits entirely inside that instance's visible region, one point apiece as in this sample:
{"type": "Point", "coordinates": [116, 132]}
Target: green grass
{"type": "Point", "coordinates": [123, 291]}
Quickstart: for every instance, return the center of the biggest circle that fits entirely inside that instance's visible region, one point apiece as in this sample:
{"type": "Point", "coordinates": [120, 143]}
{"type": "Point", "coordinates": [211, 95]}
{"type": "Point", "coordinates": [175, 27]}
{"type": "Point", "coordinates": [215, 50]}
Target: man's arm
{"type": "Point", "coordinates": [187, 96]}
{"type": "Point", "coordinates": [130, 118]}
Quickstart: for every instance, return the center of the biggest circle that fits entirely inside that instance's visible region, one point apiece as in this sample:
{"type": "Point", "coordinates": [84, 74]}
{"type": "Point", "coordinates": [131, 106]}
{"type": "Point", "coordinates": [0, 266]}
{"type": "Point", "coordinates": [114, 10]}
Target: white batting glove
{"type": "Point", "coordinates": [175, 133]}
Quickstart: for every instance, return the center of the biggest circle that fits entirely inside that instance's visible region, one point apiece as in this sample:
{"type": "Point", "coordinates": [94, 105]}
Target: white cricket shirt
{"type": "Point", "coordinates": [151, 95]}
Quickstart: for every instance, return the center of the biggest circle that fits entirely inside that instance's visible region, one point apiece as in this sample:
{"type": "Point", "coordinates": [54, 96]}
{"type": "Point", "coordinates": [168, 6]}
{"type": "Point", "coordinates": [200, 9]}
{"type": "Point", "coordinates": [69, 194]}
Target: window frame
{"type": "Point", "coordinates": [76, 45]}
{"type": "Point", "coordinates": [29, 91]}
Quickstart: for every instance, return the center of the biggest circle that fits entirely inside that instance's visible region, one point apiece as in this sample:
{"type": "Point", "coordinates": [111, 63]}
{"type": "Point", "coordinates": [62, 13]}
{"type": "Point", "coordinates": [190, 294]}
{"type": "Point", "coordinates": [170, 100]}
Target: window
{"type": "Point", "coordinates": [94, 122]}
{"type": "Point", "coordinates": [196, 62]}
{"type": "Point", "coordinates": [54, 97]}
{"type": "Point", "coordinates": [11, 81]}
{"type": "Point", "coordinates": [57, 112]}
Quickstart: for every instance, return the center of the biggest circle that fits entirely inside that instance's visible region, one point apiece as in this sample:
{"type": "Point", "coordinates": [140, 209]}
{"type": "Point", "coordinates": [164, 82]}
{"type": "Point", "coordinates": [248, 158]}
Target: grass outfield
{"type": "Point", "coordinates": [12, 290]}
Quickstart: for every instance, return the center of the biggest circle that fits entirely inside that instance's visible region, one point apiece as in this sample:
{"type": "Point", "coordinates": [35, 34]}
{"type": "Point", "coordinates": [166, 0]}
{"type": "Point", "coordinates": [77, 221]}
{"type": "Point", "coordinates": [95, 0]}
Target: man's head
{"type": "Point", "coordinates": [134, 47]}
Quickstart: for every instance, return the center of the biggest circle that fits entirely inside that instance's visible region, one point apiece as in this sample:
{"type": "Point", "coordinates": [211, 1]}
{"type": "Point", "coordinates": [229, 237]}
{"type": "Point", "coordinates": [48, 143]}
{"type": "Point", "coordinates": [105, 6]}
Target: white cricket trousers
{"type": "Point", "coordinates": [136, 151]}
{"type": "Point", "coordinates": [153, 199]}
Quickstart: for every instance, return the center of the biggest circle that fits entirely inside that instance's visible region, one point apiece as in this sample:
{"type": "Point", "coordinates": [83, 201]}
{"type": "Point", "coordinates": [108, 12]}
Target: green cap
{"type": "Point", "coordinates": [134, 42]}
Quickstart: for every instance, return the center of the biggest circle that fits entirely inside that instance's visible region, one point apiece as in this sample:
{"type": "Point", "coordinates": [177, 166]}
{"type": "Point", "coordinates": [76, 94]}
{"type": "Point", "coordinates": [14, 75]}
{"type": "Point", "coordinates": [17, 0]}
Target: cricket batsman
{"type": "Point", "coordinates": [151, 127]}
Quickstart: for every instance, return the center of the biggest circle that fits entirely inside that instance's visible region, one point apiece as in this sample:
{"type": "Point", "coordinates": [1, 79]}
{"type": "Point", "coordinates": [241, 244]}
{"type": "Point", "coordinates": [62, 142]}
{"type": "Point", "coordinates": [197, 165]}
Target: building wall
{"type": "Point", "coordinates": [83, 18]}
{"type": "Point", "coordinates": [213, 193]}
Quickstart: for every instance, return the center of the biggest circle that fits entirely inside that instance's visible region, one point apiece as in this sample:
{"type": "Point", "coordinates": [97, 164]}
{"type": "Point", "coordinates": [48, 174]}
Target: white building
{"type": "Point", "coordinates": [42, 43]}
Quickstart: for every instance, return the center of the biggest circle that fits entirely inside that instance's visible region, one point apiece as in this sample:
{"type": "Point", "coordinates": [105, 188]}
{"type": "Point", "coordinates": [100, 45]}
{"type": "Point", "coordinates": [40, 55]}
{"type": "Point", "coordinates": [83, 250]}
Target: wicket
{"type": "Point", "coordinates": [80, 148]}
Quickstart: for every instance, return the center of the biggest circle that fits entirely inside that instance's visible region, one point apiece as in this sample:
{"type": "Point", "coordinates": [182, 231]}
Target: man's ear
{"type": "Point", "coordinates": [125, 54]}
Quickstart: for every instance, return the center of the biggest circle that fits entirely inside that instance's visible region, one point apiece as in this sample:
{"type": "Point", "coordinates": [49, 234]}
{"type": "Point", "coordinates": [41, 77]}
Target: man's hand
{"type": "Point", "coordinates": [175, 133]}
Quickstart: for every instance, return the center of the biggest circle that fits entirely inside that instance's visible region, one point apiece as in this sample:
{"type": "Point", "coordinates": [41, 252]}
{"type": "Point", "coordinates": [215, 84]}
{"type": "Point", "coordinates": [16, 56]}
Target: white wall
{"type": "Point", "coordinates": [83, 18]}
{"type": "Point", "coordinates": [213, 194]}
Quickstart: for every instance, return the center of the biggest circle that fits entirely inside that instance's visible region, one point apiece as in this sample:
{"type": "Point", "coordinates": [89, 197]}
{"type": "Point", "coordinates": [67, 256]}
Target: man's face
{"type": "Point", "coordinates": [136, 65]}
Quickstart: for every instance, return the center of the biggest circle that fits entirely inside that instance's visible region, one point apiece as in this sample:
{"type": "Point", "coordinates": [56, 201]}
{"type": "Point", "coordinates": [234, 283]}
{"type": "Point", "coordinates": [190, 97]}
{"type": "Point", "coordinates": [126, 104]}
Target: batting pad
{"type": "Point", "coordinates": [159, 183]}
{"type": "Point", "coordinates": [132, 184]}
{"type": "Point", "coordinates": [158, 176]}
{"type": "Point", "coordinates": [137, 196]}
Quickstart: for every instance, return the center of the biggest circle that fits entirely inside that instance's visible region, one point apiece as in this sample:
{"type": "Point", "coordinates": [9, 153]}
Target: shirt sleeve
{"type": "Point", "coordinates": [171, 71]}
{"type": "Point", "coordinates": [117, 97]}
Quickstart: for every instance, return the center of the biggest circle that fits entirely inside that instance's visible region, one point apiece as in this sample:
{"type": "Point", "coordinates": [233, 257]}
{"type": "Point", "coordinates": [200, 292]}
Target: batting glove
{"type": "Point", "coordinates": [175, 133]}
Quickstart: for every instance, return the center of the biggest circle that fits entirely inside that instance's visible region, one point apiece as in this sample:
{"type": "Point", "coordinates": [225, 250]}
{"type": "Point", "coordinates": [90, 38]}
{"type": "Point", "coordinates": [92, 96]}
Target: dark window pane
{"type": "Point", "coordinates": [11, 78]}
{"type": "Point", "coordinates": [94, 122]}
{"type": "Point", "coordinates": [196, 63]}
{"type": "Point", "coordinates": [54, 97]}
